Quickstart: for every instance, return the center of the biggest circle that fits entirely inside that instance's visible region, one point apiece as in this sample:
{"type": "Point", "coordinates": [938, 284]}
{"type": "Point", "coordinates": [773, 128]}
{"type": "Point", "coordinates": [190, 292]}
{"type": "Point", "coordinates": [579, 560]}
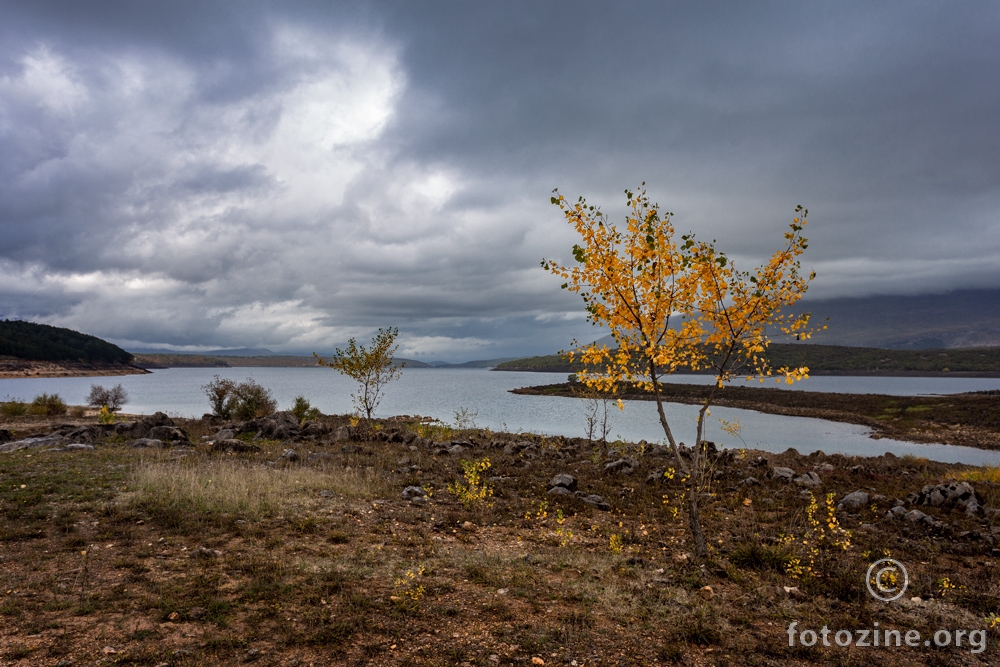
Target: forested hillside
{"type": "Point", "coordinates": [41, 342]}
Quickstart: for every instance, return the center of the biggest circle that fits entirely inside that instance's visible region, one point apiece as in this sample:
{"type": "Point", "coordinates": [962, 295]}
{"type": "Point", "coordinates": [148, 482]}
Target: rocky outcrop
{"type": "Point", "coordinates": [959, 496]}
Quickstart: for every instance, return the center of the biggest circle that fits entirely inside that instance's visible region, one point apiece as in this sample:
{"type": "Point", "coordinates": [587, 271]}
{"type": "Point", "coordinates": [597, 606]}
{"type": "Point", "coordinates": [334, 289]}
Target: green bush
{"type": "Point", "coordinates": [13, 408]}
{"type": "Point", "coordinates": [239, 400]}
{"type": "Point", "coordinates": [252, 400]}
{"type": "Point", "coordinates": [47, 405]}
{"type": "Point", "coordinates": [303, 410]}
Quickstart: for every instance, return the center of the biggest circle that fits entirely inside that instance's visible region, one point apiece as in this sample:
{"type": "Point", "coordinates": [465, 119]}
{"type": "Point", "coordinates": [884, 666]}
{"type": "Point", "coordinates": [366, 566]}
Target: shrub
{"type": "Point", "coordinates": [13, 408]}
{"type": "Point", "coordinates": [252, 400]}
{"type": "Point", "coordinates": [113, 398]}
{"type": "Point", "coordinates": [239, 400]}
{"type": "Point", "coordinates": [303, 410]}
{"type": "Point", "coordinates": [756, 556]}
{"type": "Point", "coordinates": [47, 405]}
{"type": "Point", "coordinates": [220, 396]}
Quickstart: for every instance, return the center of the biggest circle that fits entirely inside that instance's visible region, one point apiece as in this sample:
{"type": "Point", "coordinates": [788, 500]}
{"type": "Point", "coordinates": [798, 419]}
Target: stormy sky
{"type": "Point", "coordinates": [288, 175]}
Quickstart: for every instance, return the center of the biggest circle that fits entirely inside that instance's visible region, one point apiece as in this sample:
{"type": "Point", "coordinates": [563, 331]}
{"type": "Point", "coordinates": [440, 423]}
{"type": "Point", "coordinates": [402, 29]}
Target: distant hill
{"type": "Point", "coordinates": [959, 319]}
{"type": "Point", "coordinates": [40, 342]}
{"type": "Point", "coordinates": [182, 360]}
{"type": "Point", "coordinates": [835, 360]}
{"type": "Point", "coordinates": [237, 352]}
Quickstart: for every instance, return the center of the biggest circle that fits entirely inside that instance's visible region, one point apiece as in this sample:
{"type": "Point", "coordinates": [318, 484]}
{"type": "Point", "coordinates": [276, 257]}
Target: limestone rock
{"type": "Point", "coordinates": [809, 480]}
{"type": "Point", "coordinates": [148, 443]}
{"type": "Point", "coordinates": [563, 480]}
{"type": "Point", "coordinates": [621, 467]}
{"type": "Point", "coordinates": [854, 501]}
{"type": "Point", "coordinates": [786, 474]}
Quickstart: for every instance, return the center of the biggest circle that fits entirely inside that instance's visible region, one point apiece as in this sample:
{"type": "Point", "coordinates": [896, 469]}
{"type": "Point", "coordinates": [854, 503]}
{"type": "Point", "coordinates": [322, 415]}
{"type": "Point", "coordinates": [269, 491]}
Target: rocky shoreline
{"type": "Point", "coordinates": [20, 368]}
{"type": "Point", "coordinates": [969, 420]}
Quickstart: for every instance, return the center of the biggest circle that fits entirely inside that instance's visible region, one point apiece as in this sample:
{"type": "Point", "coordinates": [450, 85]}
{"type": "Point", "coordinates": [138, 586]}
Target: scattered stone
{"type": "Point", "coordinates": [455, 450]}
{"type": "Point", "coordinates": [594, 500]}
{"type": "Point", "coordinates": [563, 480]}
{"type": "Point", "coordinates": [167, 434]}
{"type": "Point", "coordinates": [225, 434]}
{"type": "Point", "coordinates": [786, 474]}
{"type": "Point", "coordinates": [290, 455]}
{"type": "Point", "coordinates": [326, 494]}
{"type": "Point", "coordinates": [896, 512]}
{"type": "Point", "coordinates": [235, 446]}
{"type": "Point", "coordinates": [194, 613]}
{"type": "Point", "coordinates": [468, 525]}
{"type": "Point", "coordinates": [559, 491]}
{"type": "Point", "coordinates": [519, 447]}
{"type": "Point", "coordinates": [621, 467]}
{"type": "Point", "coordinates": [655, 477]}
{"type": "Point", "coordinates": [706, 592]}
{"type": "Point", "coordinates": [158, 419]}
{"type": "Point", "coordinates": [148, 443]}
{"type": "Point", "coordinates": [794, 592]}
{"type": "Point", "coordinates": [809, 480]}
{"type": "Point", "coordinates": [749, 481]}
{"type": "Point", "coordinates": [87, 434]}
{"type": "Point", "coordinates": [854, 501]}
{"type": "Point", "coordinates": [203, 552]}
{"type": "Point", "coordinates": [313, 429]}
{"type": "Point", "coordinates": [33, 443]}
{"type": "Point", "coordinates": [78, 446]}
{"type": "Point", "coordinates": [109, 650]}
{"type": "Point", "coordinates": [412, 493]}
{"type": "Point", "coordinates": [950, 495]}
{"type": "Point", "coordinates": [345, 432]}
{"type": "Point", "coordinates": [824, 468]}
{"type": "Point", "coordinates": [537, 661]}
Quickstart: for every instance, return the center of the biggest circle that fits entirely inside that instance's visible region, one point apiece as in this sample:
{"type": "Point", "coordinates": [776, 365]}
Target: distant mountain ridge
{"type": "Point", "coordinates": [834, 360]}
{"type": "Point", "coordinates": [958, 319]}
{"type": "Point", "coordinates": [224, 352]}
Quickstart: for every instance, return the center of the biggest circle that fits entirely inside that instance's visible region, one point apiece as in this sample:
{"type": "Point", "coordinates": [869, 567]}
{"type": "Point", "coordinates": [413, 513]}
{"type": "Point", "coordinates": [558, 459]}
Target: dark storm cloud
{"type": "Point", "coordinates": [254, 174]}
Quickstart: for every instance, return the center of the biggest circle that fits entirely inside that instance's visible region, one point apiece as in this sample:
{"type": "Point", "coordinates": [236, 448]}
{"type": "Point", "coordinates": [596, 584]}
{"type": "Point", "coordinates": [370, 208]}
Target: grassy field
{"type": "Point", "coordinates": [192, 557]}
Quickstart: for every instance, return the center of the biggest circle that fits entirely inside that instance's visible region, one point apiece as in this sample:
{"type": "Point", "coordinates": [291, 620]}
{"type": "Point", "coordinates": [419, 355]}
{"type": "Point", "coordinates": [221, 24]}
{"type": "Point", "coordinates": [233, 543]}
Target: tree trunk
{"type": "Point", "coordinates": [700, 547]}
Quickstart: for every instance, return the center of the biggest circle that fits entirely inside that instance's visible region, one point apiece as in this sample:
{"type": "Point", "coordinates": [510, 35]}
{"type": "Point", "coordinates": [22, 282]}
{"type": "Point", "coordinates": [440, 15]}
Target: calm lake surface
{"type": "Point", "coordinates": [441, 392]}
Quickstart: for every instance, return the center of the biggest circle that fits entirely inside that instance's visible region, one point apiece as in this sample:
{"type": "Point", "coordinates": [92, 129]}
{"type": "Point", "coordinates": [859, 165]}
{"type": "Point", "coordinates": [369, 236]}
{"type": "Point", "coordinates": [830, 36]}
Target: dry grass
{"type": "Point", "coordinates": [989, 474]}
{"type": "Point", "coordinates": [239, 488]}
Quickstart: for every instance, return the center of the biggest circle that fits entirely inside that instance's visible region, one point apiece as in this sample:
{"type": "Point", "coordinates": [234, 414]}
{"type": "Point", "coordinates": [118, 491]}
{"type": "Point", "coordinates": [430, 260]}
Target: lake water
{"type": "Point", "coordinates": [441, 392]}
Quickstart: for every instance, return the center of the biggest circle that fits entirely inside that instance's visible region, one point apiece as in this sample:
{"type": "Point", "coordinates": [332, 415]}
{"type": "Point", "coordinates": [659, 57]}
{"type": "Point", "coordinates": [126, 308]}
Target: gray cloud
{"type": "Point", "coordinates": [258, 175]}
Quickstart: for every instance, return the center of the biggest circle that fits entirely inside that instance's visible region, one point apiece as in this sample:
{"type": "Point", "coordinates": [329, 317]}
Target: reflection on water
{"type": "Point", "coordinates": [441, 392]}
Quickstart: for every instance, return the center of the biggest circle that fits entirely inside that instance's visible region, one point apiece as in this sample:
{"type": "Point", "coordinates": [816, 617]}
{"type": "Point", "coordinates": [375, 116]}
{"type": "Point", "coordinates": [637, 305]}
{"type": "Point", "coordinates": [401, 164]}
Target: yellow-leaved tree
{"type": "Point", "coordinates": [674, 304]}
{"type": "Point", "coordinates": [371, 368]}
